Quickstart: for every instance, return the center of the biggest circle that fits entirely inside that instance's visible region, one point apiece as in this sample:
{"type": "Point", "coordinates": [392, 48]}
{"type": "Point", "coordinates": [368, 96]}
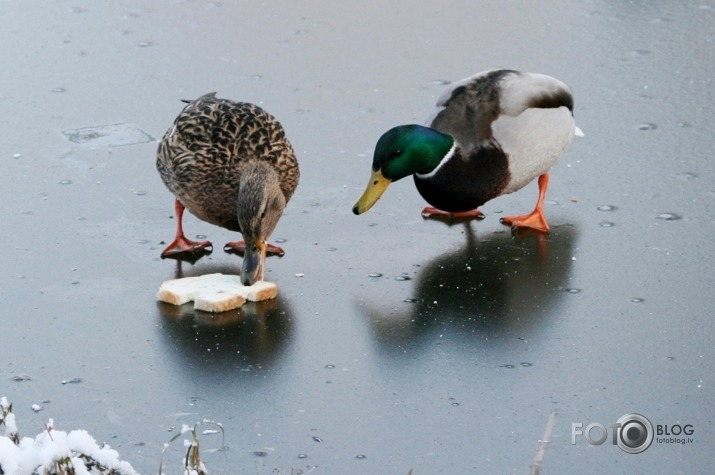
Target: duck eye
{"type": "Point", "coordinates": [396, 153]}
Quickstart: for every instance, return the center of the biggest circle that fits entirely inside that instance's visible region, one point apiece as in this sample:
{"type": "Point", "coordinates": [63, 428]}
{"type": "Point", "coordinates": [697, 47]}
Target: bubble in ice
{"type": "Point", "coordinates": [668, 217]}
{"type": "Point", "coordinates": [302, 456]}
{"type": "Point", "coordinates": [361, 456]}
{"type": "Point", "coordinates": [607, 208]}
{"type": "Point", "coordinates": [526, 365]}
{"type": "Point", "coordinates": [637, 300]}
{"type": "Point", "coordinates": [374, 275]}
{"type": "Point", "coordinates": [507, 366]}
{"type": "Point", "coordinates": [606, 224]}
{"type": "Point", "coordinates": [260, 453]}
{"type": "Point", "coordinates": [640, 52]}
{"type": "Point", "coordinates": [65, 182]}
{"type": "Point", "coordinates": [403, 277]}
{"type": "Point", "coordinates": [409, 300]}
{"type": "Point", "coordinates": [647, 126]}
{"type": "Point", "coordinates": [572, 290]}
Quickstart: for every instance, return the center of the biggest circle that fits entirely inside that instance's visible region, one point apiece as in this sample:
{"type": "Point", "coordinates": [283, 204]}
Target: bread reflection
{"type": "Point", "coordinates": [249, 338]}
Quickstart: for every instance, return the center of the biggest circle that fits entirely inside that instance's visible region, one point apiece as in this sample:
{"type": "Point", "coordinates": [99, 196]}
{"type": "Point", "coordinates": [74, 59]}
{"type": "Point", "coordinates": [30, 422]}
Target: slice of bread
{"type": "Point", "coordinates": [214, 292]}
{"type": "Point", "coordinates": [217, 300]}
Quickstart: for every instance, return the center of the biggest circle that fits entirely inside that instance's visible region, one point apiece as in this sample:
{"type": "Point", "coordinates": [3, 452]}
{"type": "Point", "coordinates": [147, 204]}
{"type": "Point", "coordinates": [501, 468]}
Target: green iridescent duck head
{"type": "Point", "coordinates": [402, 151]}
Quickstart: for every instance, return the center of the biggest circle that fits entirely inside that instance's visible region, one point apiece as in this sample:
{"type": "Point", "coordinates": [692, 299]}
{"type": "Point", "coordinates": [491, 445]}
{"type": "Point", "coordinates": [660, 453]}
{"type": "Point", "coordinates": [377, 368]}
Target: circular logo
{"type": "Point", "coordinates": [635, 433]}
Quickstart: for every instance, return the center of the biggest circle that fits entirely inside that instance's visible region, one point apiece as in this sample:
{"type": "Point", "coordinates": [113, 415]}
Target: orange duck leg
{"type": "Point", "coordinates": [534, 220]}
{"type": "Point", "coordinates": [182, 246]}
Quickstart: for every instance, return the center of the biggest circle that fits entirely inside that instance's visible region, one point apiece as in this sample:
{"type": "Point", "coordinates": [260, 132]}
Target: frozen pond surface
{"type": "Point", "coordinates": [395, 343]}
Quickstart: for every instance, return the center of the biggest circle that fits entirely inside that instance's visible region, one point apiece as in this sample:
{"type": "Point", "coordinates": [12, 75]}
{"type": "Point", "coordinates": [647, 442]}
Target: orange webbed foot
{"type": "Point", "coordinates": [239, 247]}
{"type": "Point", "coordinates": [436, 213]}
{"type": "Point", "coordinates": [534, 220]}
{"type": "Point", "coordinates": [182, 246]}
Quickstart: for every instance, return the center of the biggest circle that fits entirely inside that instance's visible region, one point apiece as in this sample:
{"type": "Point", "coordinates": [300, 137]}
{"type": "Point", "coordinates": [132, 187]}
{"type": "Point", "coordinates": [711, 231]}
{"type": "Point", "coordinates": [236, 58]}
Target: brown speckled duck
{"type": "Point", "coordinates": [230, 164]}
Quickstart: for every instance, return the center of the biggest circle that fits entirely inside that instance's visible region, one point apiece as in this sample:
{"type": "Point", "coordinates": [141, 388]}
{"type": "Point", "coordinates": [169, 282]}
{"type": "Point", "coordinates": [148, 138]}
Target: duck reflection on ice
{"type": "Point", "coordinates": [245, 340]}
{"type": "Point", "coordinates": [495, 288]}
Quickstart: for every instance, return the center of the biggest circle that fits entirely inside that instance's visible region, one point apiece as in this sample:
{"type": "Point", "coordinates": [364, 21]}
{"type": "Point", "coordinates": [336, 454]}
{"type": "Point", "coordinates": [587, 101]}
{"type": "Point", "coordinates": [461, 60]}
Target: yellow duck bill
{"type": "Point", "coordinates": [374, 190]}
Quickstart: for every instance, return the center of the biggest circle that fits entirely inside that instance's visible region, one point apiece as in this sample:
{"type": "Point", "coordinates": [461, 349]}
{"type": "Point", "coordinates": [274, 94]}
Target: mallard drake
{"type": "Point", "coordinates": [491, 135]}
{"type": "Point", "coordinates": [230, 164]}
